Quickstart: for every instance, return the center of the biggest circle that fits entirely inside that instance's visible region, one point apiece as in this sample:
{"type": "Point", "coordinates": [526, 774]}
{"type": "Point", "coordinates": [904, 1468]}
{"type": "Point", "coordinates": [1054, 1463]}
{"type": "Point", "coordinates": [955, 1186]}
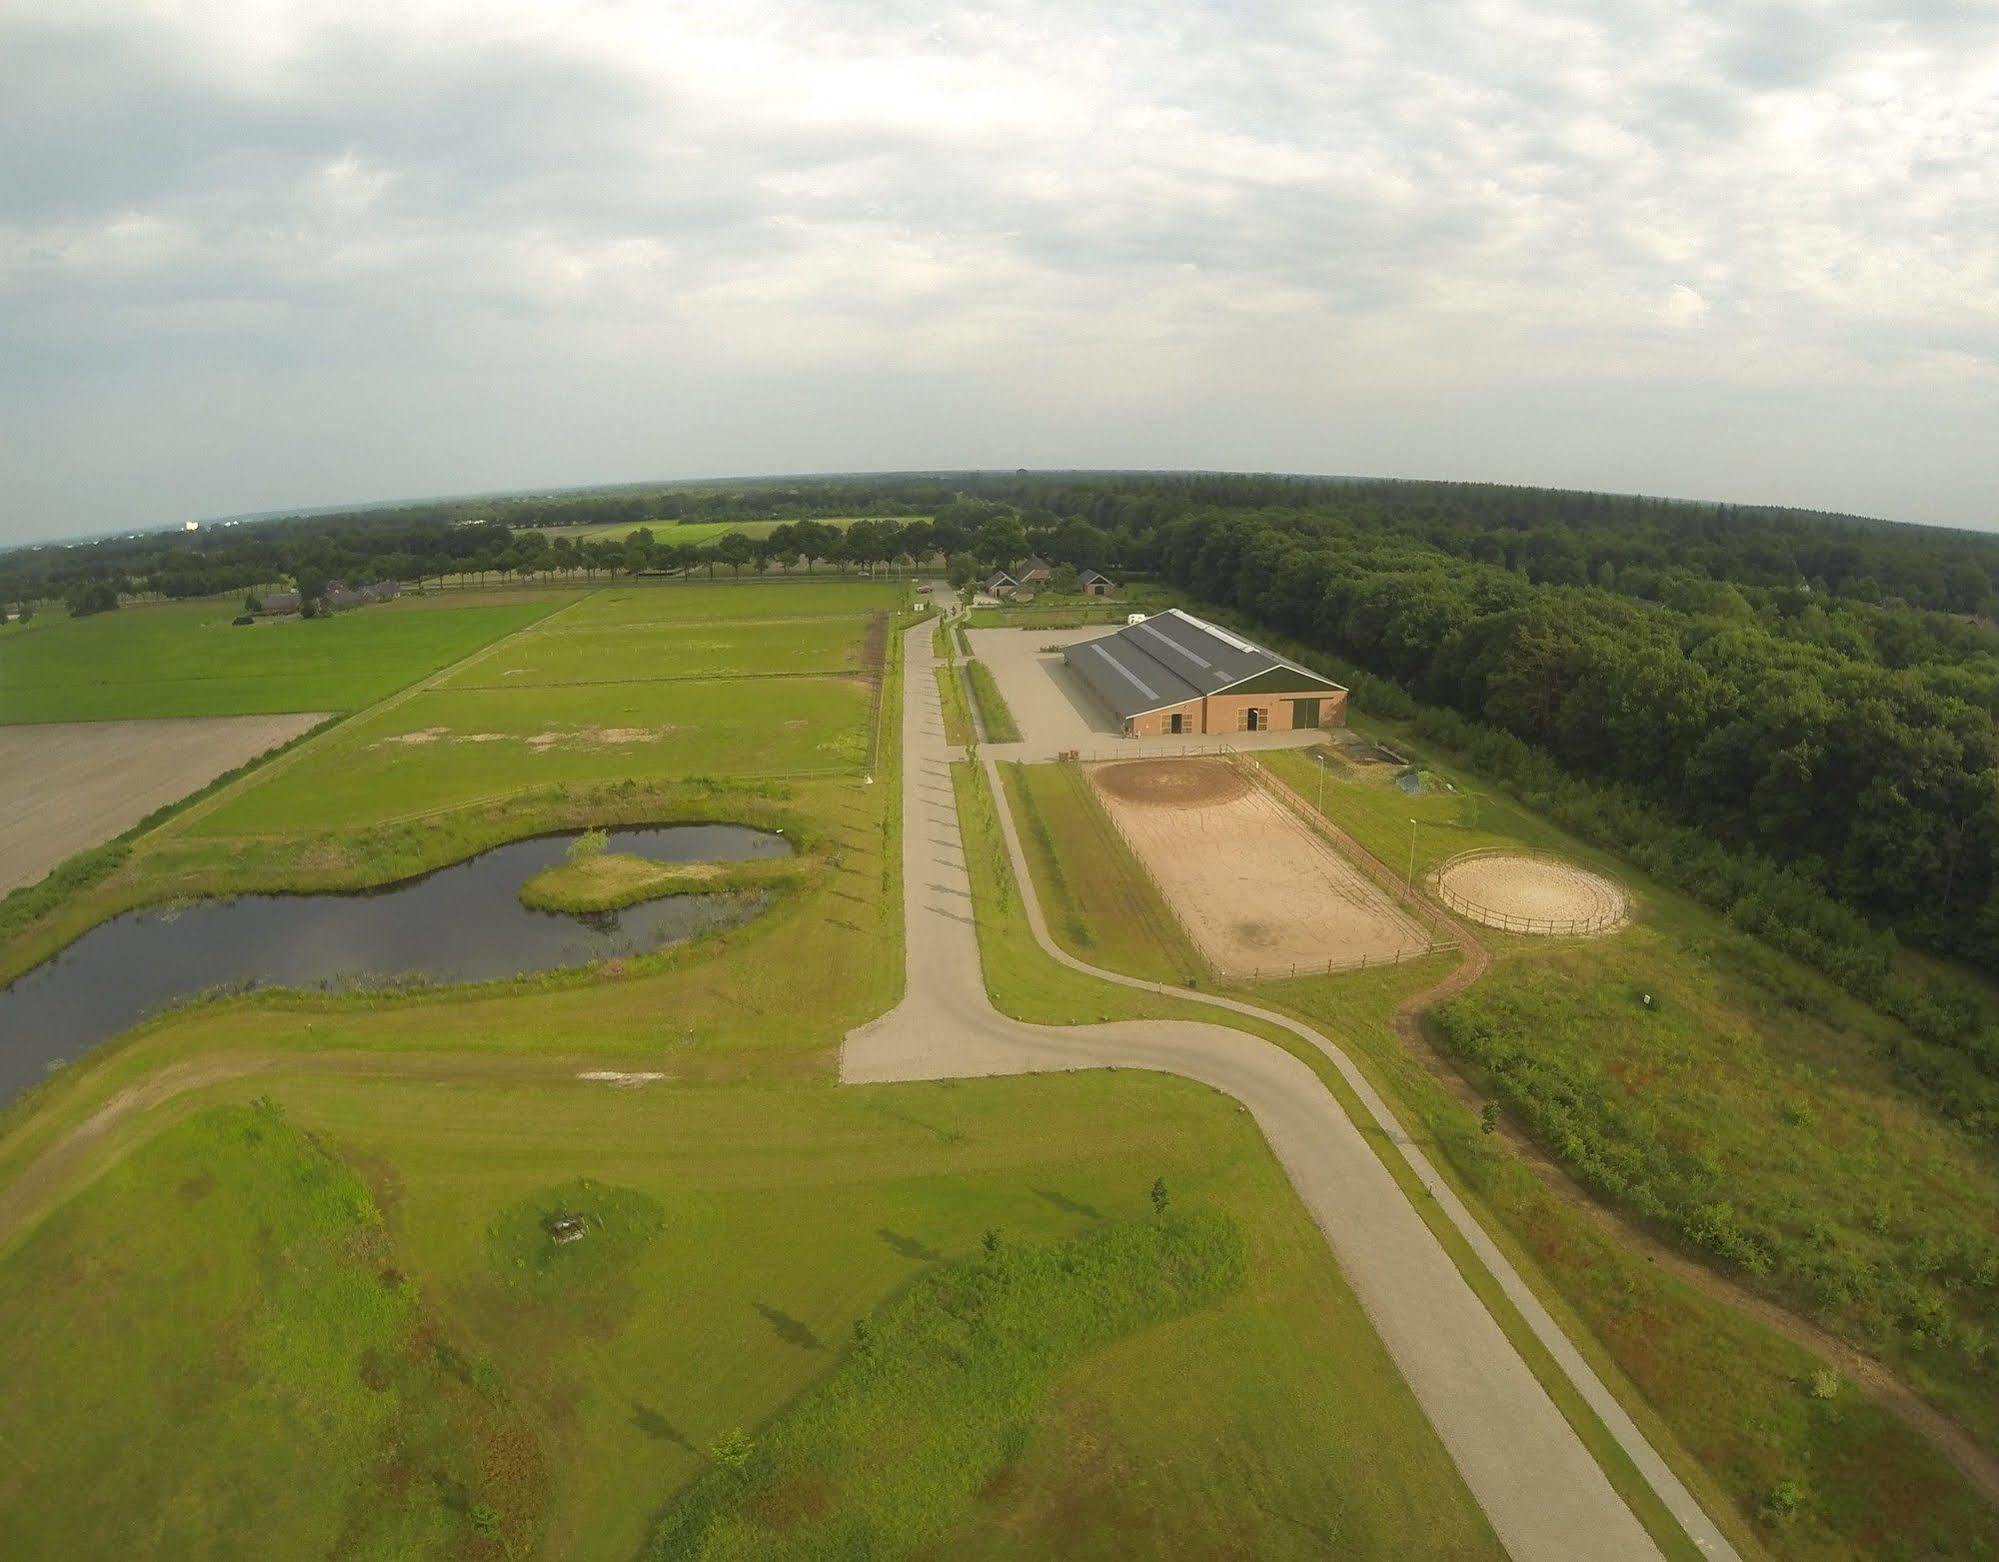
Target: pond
{"type": "Point", "coordinates": [459, 924]}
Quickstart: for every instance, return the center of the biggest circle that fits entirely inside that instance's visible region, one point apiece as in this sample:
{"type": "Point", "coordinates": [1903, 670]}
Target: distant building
{"type": "Point", "coordinates": [280, 601]}
{"type": "Point", "coordinates": [999, 584]}
{"type": "Point", "coordinates": [1175, 673]}
{"type": "Point", "coordinates": [1092, 584]}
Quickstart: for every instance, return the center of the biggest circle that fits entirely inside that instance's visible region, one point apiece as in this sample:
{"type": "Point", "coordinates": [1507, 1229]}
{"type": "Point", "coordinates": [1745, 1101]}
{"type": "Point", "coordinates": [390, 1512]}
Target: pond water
{"type": "Point", "coordinates": [459, 924]}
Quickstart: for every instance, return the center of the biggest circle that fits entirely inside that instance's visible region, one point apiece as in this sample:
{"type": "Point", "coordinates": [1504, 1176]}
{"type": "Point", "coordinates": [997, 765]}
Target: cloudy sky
{"type": "Point", "coordinates": [276, 254]}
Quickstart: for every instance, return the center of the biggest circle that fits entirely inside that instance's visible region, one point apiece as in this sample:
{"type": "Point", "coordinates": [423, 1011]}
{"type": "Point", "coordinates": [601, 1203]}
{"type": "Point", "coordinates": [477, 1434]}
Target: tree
{"type": "Point", "coordinates": [735, 550]}
{"type": "Point", "coordinates": [91, 596]}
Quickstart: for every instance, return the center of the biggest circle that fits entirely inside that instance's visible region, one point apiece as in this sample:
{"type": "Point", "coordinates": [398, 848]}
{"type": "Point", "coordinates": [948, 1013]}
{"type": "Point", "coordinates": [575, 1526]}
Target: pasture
{"type": "Point", "coordinates": [618, 653]}
{"type": "Point", "coordinates": [728, 601]}
{"type": "Point", "coordinates": [187, 659]}
{"type": "Point", "coordinates": [448, 747]}
{"type": "Point", "coordinates": [641, 684]}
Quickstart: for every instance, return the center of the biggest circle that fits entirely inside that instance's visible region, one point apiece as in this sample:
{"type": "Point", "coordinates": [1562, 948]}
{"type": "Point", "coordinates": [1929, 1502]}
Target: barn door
{"type": "Point", "coordinates": [1304, 713]}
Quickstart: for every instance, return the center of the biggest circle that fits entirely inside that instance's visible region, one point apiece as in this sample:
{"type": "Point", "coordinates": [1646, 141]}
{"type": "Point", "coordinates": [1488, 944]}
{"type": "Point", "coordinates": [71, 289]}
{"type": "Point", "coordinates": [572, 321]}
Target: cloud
{"type": "Point", "coordinates": [1076, 230]}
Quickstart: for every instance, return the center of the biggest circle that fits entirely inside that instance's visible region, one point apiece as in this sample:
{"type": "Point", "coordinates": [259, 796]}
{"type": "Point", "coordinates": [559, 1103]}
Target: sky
{"type": "Point", "coordinates": [257, 256]}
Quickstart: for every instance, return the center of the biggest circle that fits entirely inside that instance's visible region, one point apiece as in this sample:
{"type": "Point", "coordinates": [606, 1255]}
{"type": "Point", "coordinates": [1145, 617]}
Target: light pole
{"type": "Point", "coordinates": [1322, 782]}
{"type": "Point", "coordinates": [1409, 882]}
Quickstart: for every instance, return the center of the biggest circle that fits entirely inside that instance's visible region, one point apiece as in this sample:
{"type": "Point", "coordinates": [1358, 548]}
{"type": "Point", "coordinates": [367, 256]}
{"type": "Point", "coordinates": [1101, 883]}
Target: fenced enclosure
{"type": "Point", "coordinates": [1524, 892]}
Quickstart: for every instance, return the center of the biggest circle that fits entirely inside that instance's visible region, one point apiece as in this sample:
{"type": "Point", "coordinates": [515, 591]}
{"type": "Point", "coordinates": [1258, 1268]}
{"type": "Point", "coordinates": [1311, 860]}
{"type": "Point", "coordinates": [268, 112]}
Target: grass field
{"type": "Point", "coordinates": [452, 746]}
{"type": "Point", "coordinates": [783, 1215]}
{"type": "Point", "coordinates": [616, 653]}
{"type": "Point", "coordinates": [722, 601]}
{"type": "Point", "coordinates": [185, 658]}
{"type": "Point", "coordinates": [994, 716]}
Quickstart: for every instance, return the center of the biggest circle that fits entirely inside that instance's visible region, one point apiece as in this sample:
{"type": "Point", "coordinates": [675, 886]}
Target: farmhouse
{"type": "Point", "coordinates": [1178, 673]}
{"type": "Point", "coordinates": [1020, 579]}
{"type": "Point", "coordinates": [1092, 584]}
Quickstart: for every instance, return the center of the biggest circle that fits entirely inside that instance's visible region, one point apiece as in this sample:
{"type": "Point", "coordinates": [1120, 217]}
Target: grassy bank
{"type": "Point", "coordinates": [994, 716]}
{"type": "Point", "coordinates": [951, 696]}
{"type": "Point", "coordinates": [938, 1392]}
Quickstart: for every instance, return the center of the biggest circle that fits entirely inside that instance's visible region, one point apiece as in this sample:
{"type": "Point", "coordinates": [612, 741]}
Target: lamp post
{"type": "Point", "coordinates": [1409, 882]}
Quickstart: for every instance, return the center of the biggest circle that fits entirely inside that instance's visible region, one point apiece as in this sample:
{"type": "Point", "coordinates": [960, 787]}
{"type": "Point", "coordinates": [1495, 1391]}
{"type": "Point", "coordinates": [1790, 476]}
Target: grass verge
{"type": "Point", "coordinates": [993, 713]}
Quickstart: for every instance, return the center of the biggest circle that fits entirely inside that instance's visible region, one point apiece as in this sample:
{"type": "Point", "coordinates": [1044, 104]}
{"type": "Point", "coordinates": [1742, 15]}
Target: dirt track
{"type": "Point", "coordinates": [65, 786]}
{"type": "Point", "coordinates": [1257, 890]}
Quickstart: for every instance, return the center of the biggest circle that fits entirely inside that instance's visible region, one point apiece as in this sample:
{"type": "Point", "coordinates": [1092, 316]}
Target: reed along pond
{"type": "Point", "coordinates": [459, 924]}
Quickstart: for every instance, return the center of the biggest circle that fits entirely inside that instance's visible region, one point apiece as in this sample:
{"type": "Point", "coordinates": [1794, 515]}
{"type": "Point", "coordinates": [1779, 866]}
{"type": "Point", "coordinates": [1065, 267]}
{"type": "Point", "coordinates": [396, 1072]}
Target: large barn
{"type": "Point", "coordinates": [1177, 673]}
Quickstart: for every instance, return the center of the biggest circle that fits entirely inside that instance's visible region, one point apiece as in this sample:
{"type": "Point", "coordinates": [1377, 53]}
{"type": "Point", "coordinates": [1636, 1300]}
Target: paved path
{"type": "Point", "coordinates": [1540, 1488]}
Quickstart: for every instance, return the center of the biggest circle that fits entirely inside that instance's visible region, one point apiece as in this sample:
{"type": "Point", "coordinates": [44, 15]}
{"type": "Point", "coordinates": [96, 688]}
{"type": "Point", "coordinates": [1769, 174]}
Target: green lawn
{"type": "Point", "coordinates": [748, 1228]}
{"type": "Point", "coordinates": [214, 1344]}
{"type": "Point", "coordinates": [725, 601]}
{"type": "Point", "coordinates": [1100, 904]}
{"type": "Point", "coordinates": [994, 716]}
{"type": "Point", "coordinates": [614, 653]}
{"type": "Point", "coordinates": [452, 746]}
{"type": "Point", "coordinates": [186, 659]}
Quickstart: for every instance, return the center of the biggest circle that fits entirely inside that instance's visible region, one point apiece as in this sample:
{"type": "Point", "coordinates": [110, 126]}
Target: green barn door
{"type": "Point", "coordinates": [1304, 713]}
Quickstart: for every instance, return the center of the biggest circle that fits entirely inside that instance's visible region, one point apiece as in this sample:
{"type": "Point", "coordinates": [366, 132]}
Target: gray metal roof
{"type": "Point", "coordinates": [1172, 658]}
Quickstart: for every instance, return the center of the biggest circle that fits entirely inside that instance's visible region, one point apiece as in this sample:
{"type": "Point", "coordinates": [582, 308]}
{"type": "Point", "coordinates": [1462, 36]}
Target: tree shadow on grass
{"type": "Point", "coordinates": [1067, 1205]}
{"type": "Point", "coordinates": [793, 1331]}
{"type": "Point", "coordinates": [657, 1427]}
{"type": "Point", "coordinates": [909, 1247]}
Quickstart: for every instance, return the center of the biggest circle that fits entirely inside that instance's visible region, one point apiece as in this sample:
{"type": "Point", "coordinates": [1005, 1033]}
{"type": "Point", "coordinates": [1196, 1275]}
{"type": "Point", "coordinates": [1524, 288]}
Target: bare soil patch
{"type": "Point", "coordinates": [1171, 783]}
{"type": "Point", "coordinates": [67, 786]}
{"type": "Point", "coordinates": [1525, 894]}
{"type": "Point", "coordinates": [1258, 890]}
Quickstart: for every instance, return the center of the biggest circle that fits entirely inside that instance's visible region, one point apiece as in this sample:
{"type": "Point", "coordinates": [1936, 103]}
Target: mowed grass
{"type": "Point", "coordinates": [210, 1353]}
{"type": "Point", "coordinates": [788, 1213]}
{"type": "Point", "coordinates": [722, 601]}
{"type": "Point", "coordinates": [613, 654]}
{"type": "Point", "coordinates": [449, 747]}
{"type": "Point", "coordinates": [936, 1399]}
{"type": "Point", "coordinates": [186, 659]}
{"type": "Point", "coordinates": [1099, 902]}
{"type": "Point", "coordinates": [994, 715]}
